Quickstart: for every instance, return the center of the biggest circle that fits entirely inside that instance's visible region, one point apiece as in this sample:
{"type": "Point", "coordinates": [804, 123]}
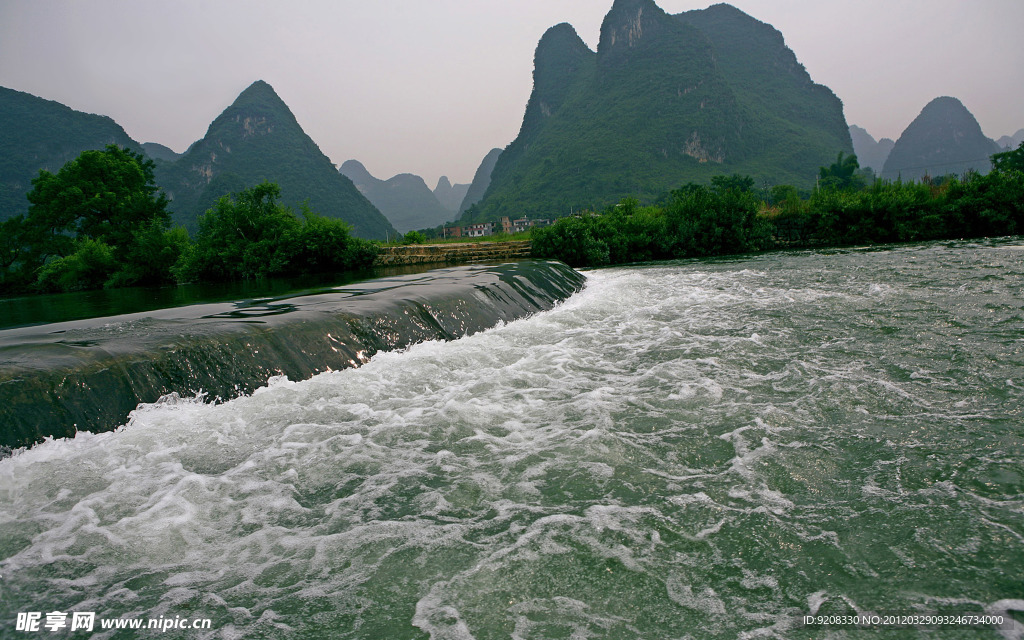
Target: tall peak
{"type": "Point", "coordinates": [946, 105]}
{"type": "Point", "coordinates": [562, 37]}
{"type": "Point", "coordinates": [261, 85]}
{"type": "Point", "coordinates": [358, 174]}
{"type": "Point", "coordinates": [260, 92]}
{"type": "Point", "coordinates": [257, 111]}
{"type": "Point", "coordinates": [665, 99]}
{"type": "Point", "coordinates": [258, 138]}
{"type": "Point", "coordinates": [559, 55]}
{"type": "Point", "coordinates": [947, 113]}
{"type": "Point", "coordinates": [945, 138]}
{"type": "Point", "coordinates": [353, 165]}
{"type": "Point", "coordinates": [724, 9]}
{"type": "Point", "coordinates": [628, 23]}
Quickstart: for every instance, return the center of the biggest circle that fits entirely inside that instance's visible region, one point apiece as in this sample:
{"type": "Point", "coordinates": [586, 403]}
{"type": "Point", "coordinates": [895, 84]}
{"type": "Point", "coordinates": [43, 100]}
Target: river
{"type": "Point", "coordinates": [697, 449]}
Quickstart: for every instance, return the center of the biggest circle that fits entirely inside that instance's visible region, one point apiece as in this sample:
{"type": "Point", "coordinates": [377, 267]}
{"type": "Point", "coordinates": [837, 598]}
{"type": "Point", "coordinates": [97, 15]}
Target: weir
{"type": "Point", "coordinates": [88, 375]}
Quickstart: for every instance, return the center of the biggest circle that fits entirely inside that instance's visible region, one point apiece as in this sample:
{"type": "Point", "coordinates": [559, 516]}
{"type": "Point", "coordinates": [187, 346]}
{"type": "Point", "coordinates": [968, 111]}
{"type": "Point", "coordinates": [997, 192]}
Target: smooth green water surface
{"type": "Point", "coordinates": [17, 311]}
{"type": "Point", "coordinates": [684, 450]}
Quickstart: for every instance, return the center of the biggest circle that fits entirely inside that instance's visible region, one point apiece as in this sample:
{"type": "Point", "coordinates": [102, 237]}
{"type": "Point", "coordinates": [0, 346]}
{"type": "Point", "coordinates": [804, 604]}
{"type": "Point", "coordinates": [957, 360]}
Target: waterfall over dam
{"type": "Point", "coordinates": [88, 375]}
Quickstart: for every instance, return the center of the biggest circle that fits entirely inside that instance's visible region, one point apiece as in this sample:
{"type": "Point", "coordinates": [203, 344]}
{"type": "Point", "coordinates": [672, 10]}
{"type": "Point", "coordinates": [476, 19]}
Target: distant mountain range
{"type": "Point", "coordinates": [665, 100]}
{"type": "Point", "coordinates": [450, 195]}
{"type": "Point", "coordinates": [870, 153]}
{"type": "Point", "coordinates": [944, 139]}
{"type": "Point", "coordinates": [1011, 142]}
{"type": "Point", "coordinates": [256, 138]}
{"type": "Point", "coordinates": [405, 200]}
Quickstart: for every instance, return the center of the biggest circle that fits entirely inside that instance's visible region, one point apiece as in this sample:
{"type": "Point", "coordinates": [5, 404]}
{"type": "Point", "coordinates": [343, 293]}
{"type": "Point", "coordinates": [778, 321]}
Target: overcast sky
{"type": "Point", "coordinates": [429, 86]}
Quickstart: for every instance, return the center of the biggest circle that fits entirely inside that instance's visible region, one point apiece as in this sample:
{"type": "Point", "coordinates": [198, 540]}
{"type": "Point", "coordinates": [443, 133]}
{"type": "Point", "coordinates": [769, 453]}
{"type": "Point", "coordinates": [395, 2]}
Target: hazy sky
{"type": "Point", "coordinates": [429, 86]}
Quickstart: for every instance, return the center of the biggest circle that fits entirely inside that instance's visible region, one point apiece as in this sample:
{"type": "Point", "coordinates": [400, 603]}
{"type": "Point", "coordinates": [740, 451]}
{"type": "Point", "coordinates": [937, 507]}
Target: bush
{"type": "Point", "coordinates": [241, 237]}
{"type": "Point", "coordinates": [705, 223]}
{"type": "Point", "coordinates": [250, 235]}
{"type": "Point", "coordinates": [697, 221]}
{"type": "Point", "coordinates": [990, 205]}
{"type": "Point", "coordinates": [325, 245]}
{"type": "Point", "coordinates": [414, 237]}
{"type": "Point", "coordinates": [151, 257]}
{"type": "Point", "coordinates": [571, 240]}
{"type": "Point", "coordinates": [88, 267]}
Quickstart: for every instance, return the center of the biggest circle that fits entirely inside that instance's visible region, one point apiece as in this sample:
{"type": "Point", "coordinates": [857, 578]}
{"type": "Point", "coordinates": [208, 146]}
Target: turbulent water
{"type": "Point", "coordinates": [682, 450]}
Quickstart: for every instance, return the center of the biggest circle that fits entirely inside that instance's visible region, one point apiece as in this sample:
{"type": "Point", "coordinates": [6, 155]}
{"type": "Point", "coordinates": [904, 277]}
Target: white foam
{"type": "Point", "coordinates": [705, 601]}
{"type": "Point", "coordinates": [815, 600]}
{"type": "Point", "coordinates": [640, 428]}
{"type": "Point", "coordinates": [442, 622]}
{"type": "Point", "coordinates": [1012, 630]}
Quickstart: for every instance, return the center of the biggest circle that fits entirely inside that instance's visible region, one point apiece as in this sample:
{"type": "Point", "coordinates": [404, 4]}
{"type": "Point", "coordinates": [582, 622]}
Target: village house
{"type": "Point", "coordinates": [488, 228]}
{"type": "Point", "coordinates": [478, 230]}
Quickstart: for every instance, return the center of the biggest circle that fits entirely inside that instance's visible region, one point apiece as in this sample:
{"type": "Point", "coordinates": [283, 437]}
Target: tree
{"type": "Point", "coordinates": [1009, 160]}
{"type": "Point", "coordinates": [100, 219]}
{"type": "Point", "coordinates": [250, 235]}
{"type": "Point", "coordinates": [843, 174]}
{"type": "Point", "coordinates": [414, 237]}
{"type": "Point", "coordinates": [242, 236]}
{"type": "Point", "coordinates": [571, 240]}
{"type": "Point", "coordinates": [11, 247]}
{"type": "Point", "coordinates": [735, 182]}
{"type": "Point", "coordinates": [103, 195]}
{"type": "Point", "coordinates": [12, 253]}
{"type": "Point", "coordinates": [326, 245]}
{"type": "Point", "coordinates": [150, 257]}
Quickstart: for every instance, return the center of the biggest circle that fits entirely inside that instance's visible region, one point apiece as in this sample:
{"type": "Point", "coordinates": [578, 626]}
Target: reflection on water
{"type": "Point", "coordinates": [60, 307]}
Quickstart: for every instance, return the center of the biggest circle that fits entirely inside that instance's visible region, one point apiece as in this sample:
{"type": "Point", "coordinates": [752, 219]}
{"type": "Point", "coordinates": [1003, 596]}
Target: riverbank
{"type": "Point", "coordinates": [452, 253]}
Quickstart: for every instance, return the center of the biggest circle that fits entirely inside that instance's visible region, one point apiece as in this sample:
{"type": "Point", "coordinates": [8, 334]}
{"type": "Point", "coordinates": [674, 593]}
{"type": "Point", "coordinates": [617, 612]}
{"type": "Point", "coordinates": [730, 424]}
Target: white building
{"type": "Point", "coordinates": [478, 230]}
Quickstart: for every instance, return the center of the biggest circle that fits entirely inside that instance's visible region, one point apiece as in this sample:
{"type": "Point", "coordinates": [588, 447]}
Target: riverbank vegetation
{"type": "Point", "coordinates": [251, 235]}
{"type": "Point", "coordinates": [730, 216]}
{"type": "Point", "coordinates": [434, 236]}
{"type": "Point", "coordinates": [100, 221]}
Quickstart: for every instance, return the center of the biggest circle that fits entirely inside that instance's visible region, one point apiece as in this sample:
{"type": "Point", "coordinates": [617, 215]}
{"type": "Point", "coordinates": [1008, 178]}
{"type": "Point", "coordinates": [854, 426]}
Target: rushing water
{"type": "Point", "coordinates": [685, 450]}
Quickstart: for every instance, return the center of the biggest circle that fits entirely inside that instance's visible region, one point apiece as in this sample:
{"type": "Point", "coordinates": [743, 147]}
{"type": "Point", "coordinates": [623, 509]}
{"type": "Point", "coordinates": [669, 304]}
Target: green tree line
{"type": "Point", "coordinates": [101, 221]}
{"type": "Point", "coordinates": [847, 207]}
